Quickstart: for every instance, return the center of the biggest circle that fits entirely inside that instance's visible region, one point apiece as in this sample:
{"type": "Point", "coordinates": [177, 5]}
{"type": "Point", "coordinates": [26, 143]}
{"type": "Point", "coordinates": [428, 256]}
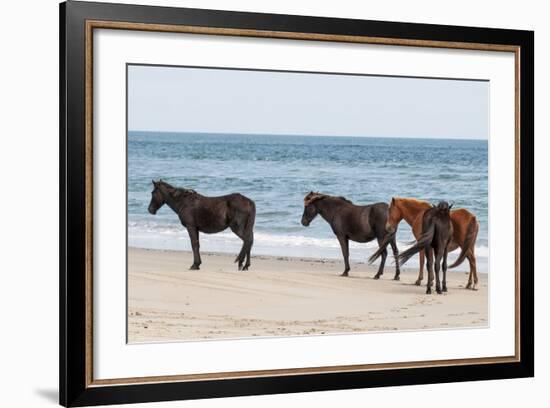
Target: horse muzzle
{"type": "Point", "coordinates": [152, 210]}
{"type": "Point", "coordinates": [305, 222]}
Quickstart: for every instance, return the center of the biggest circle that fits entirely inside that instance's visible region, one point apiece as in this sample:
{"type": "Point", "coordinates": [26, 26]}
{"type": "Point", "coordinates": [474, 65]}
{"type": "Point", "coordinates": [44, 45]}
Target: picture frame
{"type": "Point", "coordinates": [79, 21]}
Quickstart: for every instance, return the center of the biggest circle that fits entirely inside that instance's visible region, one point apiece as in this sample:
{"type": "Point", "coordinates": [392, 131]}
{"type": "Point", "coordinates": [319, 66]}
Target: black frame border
{"type": "Point", "coordinates": [72, 126]}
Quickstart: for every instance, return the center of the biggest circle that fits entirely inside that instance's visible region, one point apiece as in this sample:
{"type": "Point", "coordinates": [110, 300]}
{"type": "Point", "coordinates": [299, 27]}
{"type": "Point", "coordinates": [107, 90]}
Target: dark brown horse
{"type": "Point", "coordinates": [198, 213]}
{"type": "Point", "coordinates": [349, 221]}
{"type": "Point", "coordinates": [437, 233]}
{"type": "Point", "coordinates": [465, 230]}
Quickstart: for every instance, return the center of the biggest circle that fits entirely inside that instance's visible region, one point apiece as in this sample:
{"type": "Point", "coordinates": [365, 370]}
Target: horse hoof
{"type": "Point", "coordinates": [428, 291]}
{"type": "Point", "coordinates": [194, 267]}
{"type": "Point", "coordinates": [344, 274]}
{"type": "Point", "coordinates": [396, 278]}
{"type": "Point", "coordinates": [469, 285]}
{"type": "Point", "coordinates": [444, 289]}
{"type": "Point", "coordinates": [376, 277]}
{"type": "Point", "coordinates": [418, 282]}
{"type": "Point", "coordinates": [245, 268]}
{"type": "Point", "coordinates": [439, 292]}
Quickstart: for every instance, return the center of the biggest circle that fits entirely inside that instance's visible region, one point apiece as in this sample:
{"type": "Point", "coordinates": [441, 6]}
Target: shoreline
{"type": "Point", "coordinates": [285, 296]}
{"type": "Point", "coordinates": [355, 258]}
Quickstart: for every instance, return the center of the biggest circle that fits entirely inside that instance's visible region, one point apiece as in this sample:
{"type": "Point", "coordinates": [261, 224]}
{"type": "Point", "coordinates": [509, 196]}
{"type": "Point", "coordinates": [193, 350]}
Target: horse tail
{"type": "Point", "coordinates": [248, 227]}
{"type": "Point", "coordinates": [387, 239]}
{"type": "Point", "coordinates": [469, 241]}
{"type": "Point", "coordinates": [251, 217]}
{"type": "Point", "coordinates": [424, 240]}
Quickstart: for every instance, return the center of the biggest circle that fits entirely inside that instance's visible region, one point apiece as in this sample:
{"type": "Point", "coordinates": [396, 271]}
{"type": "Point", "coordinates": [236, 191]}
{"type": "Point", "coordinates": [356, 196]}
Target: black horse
{"type": "Point", "coordinates": [437, 233]}
{"type": "Point", "coordinates": [209, 215]}
{"type": "Point", "coordinates": [349, 221]}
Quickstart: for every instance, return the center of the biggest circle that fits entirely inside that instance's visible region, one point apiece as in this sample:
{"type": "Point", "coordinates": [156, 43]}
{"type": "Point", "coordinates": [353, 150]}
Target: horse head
{"type": "Point", "coordinates": [310, 210]}
{"type": "Point", "coordinates": [157, 197]}
{"type": "Point", "coordinates": [395, 215]}
{"type": "Point", "coordinates": [444, 206]}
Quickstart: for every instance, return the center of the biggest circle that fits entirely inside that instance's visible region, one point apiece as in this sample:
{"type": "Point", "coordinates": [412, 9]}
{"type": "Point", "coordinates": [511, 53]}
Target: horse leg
{"type": "Point", "coordinates": [249, 231]}
{"type": "Point", "coordinates": [417, 232]}
{"type": "Point", "coordinates": [473, 271]}
{"type": "Point", "coordinates": [194, 237]}
{"type": "Point", "coordinates": [248, 239]}
{"type": "Point", "coordinates": [249, 243]}
{"type": "Point", "coordinates": [396, 256]}
{"type": "Point", "coordinates": [383, 257]}
{"type": "Point", "coordinates": [242, 256]}
{"type": "Point", "coordinates": [444, 268]}
{"type": "Point", "coordinates": [238, 231]}
{"type": "Point", "coordinates": [438, 258]}
{"type": "Point", "coordinates": [429, 267]}
{"type": "Point", "coordinates": [421, 256]}
{"type": "Point", "coordinates": [344, 244]}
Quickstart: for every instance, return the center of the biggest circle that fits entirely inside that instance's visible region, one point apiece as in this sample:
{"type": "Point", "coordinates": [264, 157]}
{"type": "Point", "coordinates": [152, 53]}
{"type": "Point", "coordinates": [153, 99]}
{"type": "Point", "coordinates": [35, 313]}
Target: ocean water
{"type": "Point", "coordinates": [277, 171]}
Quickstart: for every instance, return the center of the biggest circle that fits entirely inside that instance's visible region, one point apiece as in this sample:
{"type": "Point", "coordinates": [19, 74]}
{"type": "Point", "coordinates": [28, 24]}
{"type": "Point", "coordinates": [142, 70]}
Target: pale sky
{"type": "Point", "coordinates": [179, 99]}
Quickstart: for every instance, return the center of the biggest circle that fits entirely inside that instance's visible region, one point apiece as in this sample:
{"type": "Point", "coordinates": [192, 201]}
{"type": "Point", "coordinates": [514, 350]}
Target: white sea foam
{"type": "Point", "coordinates": [157, 237]}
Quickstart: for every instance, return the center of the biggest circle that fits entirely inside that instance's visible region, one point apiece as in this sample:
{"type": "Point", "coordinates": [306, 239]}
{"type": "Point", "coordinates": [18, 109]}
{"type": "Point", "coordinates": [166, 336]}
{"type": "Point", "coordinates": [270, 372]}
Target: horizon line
{"type": "Point", "coordinates": [302, 135]}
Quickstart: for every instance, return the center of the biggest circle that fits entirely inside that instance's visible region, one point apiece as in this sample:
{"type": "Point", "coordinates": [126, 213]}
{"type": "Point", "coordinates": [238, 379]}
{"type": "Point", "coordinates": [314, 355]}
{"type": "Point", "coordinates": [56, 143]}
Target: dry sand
{"type": "Point", "coordinates": [284, 296]}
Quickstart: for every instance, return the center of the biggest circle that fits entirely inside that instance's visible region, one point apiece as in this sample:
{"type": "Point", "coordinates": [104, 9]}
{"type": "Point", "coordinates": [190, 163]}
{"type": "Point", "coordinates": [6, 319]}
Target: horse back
{"type": "Point", "coordinates": [239, 202]}
{"type": "Point", "coordinates": [233, 200]}
{"type": "Point", "coordinates": [378, 209]}
{"type": "Point", "coordinates": [461, 219]}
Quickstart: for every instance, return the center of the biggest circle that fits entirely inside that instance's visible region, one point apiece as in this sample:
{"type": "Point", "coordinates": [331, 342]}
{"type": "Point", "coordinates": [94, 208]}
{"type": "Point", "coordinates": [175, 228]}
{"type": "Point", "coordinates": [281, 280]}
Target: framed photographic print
{"type": "Point", "coordinates": [256, 203]}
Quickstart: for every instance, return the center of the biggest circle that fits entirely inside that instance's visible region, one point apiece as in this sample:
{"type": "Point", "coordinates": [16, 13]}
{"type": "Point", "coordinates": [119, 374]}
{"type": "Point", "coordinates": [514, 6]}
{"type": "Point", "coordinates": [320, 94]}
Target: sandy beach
{"type": "Point", "coordinates": [282, 296]}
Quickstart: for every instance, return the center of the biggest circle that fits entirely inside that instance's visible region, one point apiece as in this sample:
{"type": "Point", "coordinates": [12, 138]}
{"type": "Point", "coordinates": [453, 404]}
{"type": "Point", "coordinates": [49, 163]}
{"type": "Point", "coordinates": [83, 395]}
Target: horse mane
{"type": "Point", "coordinates": [176, 191]}
{"type": "Point", "coordinates": [417, 202]}
{"type": "Point", "coordinates": [412, 200]}
{"type": "Point", "coordinates": [344, 199]}
{"type": "Point", "coordinates": [312, 197]}
{"type": "Point", "coordinates": [412, 203]}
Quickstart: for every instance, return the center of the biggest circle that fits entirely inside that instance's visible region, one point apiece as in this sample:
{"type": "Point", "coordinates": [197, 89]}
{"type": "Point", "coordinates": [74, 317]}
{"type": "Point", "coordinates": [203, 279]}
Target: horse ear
{"type": "Point", "coordinates": [154, 182]}
{"type": "Point", "coordinates": [393, 200]}
{"type": "Point", "coordinates": [451, 206]}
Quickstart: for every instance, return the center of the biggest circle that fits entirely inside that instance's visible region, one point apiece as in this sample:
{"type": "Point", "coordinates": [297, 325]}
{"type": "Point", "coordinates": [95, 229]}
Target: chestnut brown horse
{"type": "Point", "coordinates": [465, 229]}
